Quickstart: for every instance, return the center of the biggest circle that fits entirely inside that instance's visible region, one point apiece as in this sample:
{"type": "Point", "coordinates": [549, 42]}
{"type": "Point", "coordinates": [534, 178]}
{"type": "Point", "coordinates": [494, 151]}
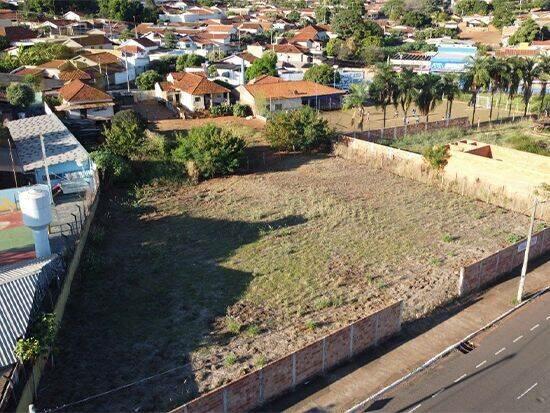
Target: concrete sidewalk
{"type": "Point", "coordinates": [350, 384]}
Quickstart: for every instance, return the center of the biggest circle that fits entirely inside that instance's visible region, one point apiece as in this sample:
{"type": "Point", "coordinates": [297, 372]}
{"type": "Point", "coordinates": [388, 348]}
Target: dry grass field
{"type": "Point", "coordinates": [238, 271]}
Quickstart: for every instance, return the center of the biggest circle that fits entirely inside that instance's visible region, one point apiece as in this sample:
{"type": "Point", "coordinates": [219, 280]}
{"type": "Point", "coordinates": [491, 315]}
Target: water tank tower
{"type": "Point", "coordinates": [37, 215]}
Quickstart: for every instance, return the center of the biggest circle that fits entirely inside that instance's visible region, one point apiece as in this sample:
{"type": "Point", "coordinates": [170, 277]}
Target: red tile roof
{"type": "Point", "coordinates": [17, 33]}
{"type": "Point", "coordinates": [76, 91]}
{"type": "Point", "coordinates": [195, 84]}
{"type": "Point", "coordinates": [73, 74]}
{"type": "Point", "coordinates": [290, 89]}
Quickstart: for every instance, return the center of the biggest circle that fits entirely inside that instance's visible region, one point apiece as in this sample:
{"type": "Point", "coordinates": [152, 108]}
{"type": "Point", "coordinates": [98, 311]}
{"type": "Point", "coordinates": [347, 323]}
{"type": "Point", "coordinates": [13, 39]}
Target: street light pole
{"type": "Point", "coordinates": [526, 256]}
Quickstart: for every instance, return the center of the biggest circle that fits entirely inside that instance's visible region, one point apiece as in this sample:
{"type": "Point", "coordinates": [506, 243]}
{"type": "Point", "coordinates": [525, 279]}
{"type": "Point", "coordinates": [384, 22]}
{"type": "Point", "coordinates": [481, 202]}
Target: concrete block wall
{"type": "Point", "coordinates": [481, 273]}
{"type": "Point", "coordinates": [282, 375]}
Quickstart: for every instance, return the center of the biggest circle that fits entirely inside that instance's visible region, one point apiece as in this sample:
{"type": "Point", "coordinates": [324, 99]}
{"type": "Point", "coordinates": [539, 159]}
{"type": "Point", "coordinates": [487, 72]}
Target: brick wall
{"type": "Point", "coordinates": [483, 272]}
{"type": "Point", "coordinates": [283, 375]}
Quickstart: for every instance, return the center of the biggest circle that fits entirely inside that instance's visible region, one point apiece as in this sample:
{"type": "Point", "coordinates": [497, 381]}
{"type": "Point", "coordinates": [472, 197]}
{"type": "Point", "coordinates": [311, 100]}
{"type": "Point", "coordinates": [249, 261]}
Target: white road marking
{"type": "Point", "coordinates": [481, 364]}
{"type": "Point", "coordinates": [438, 393]}
{"type": "Point", "coordinates": [414, 408]}
{"type": "Point", "coordinates": [526, 391]}
{"type": "Point", "coordinates": [535, 326]}
{"type": "Point", "coordinates": [460, 378]}
{"type": "Point", "coordinates": [500, 351]}
{"type": "Point", "coordinates": [518, 339]}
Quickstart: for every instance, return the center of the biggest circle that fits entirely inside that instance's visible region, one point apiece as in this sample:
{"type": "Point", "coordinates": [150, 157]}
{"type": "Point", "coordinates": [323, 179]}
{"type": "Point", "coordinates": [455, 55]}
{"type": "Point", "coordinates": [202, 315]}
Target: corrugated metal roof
{"type": "Point", "coordinates": [22, 290]}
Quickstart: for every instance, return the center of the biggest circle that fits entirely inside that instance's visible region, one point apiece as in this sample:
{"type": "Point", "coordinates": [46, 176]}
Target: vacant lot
{"type": "Point", "coordinates": [236, 272]}
{"type": "Point", "coordinates": [520, 136]}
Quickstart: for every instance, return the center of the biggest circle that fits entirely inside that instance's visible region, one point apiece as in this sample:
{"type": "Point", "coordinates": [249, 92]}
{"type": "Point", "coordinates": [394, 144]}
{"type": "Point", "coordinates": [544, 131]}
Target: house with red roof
{"type": "Point", "coordinates": [273, 94]}
{"type": "Point", "coordinates": [193, 91]}
{"type": "Point", "coordinates": [82, 101]}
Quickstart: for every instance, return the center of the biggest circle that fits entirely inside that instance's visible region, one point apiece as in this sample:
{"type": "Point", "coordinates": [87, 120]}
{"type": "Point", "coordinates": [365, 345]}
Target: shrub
{"type": "Point", "coordinates": [230, 359]}
{"type": "Point", "coordinates": [260, 361]}
{"type": "Point", "coordinates": [311, 325]}
{"type": "Point", "coordinates": [298, 130]}
{"type": "Point", "coordinates": [189, 60]}
{"type": "Point", "coordinates": [252, 330]}
{"type": "Point", "coordinates": [113, 168]}
{"type": "Point", "coordinates": [213, 151]}
{"type": "Point", "coordinates": [126, 134]}
{"type": "Point", "coordinates": [514, 238]}
{"type": "Point", "coordinates": [323, 74]}
{"type": "Point", "coordinates": [232, 325]}
{"type": "Point", "coordinates": [27, 349]}
{"type": "Point", "coordinates": [437, 156]}
{"type": "Point", "coordinates": [221, 110]}
{"type": "Point", "coordinates": [241, 111]}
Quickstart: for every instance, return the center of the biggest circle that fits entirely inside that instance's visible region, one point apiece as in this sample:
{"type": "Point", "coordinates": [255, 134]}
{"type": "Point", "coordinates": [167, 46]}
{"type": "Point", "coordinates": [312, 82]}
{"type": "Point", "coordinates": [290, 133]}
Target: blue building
{"type": "Point", "coordinates": [452, 58]}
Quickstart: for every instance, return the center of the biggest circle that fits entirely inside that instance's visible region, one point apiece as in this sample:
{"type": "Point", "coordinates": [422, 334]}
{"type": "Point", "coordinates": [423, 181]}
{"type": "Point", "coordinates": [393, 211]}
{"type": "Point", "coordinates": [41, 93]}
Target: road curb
{"type": "Point", "coordinates": [362, 405]}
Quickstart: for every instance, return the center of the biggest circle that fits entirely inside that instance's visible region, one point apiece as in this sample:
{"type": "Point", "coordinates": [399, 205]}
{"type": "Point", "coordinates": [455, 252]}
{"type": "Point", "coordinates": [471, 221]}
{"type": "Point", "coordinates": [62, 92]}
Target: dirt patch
{"type": "Point", "coordinates": [236, 272]}
{"type": "Point", "coordinates": [183, 124]}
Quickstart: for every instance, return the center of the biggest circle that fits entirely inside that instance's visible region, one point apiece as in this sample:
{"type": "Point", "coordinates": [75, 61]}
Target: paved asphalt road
{"type": "Point", "coordinates": [508, 371]}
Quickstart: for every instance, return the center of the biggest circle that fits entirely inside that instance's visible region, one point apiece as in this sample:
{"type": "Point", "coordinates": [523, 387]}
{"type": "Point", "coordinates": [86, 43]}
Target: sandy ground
{"type": "Point", "coordinates": [239, 271]}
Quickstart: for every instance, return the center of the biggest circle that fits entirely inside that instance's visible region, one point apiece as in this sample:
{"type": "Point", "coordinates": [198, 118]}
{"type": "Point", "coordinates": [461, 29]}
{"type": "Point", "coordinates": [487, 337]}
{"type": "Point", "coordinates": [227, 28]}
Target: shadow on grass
{"type": "Point", "coordinates": [146, 296]}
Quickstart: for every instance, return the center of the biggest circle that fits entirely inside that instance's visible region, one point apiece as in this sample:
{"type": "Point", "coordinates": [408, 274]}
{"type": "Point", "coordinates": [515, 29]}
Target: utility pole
{"type": "Point", "coordinates": [526, 256]}
{"type": "Point", "coordinates": [12, 163]}
{"type": "Point", "coordinates": [127, 73]}
{"type": "Point", "coordinates": [44, 159]}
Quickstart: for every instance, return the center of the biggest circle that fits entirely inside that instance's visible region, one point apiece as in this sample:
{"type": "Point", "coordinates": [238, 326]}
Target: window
{"type": "Point", "coordinates": [197, 99]}
{"type": "Point", "coordinates": [278, 106]}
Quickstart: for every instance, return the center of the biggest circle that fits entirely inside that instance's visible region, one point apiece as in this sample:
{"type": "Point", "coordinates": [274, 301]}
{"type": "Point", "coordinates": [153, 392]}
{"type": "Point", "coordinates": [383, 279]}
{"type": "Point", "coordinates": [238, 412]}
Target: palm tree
{"type": "Point", "coordinates": [497, 73]}
{"type": "Point", "coordinates": [474, 79]}
{"type": "Point", "coordinates": [383, 90]}
{"type": "Point", "coordinates": [406, 92]}
{"type": "Point", "coordinates": [449, 88]}
{"type": "Point", "coordinates": [355, 99]}
{"type": "Point", "coordinates": [513, 79]}
{"type": "Point", "coordinates": [529, 72]}
{"type": "Point", "coordinates": [428, 92]}
{"type": "Point", "coordinates": [544, 75]}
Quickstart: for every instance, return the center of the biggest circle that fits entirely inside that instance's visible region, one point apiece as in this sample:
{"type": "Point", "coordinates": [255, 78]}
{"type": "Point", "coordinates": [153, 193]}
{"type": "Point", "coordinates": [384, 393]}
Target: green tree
{"type": "Point", "coordinates": [265, 65]}
{"type": "Point", "coordinates": [189, 60]}
{"type": "Point", "coordinates": [298, 130]}
{"type": "Point", "coordinates": [323, 74]}
{"type": "Point", "coordinates": [42, 53]}
{"type": "Point", "coordinates": [355, 100]}
{"type": "Point", "coordinates": [393, 9]}
{"type": "Point", "coordinates": [416, 19]}
{"type": "Point", "coordinates": [428, 93]}
{"type": "Point", "coordinates": [170, 39]}
{"type": "Point", "coordinates": [450, 89]}
{"type": "Point", "coordinates": [20, 94]}
{"type": "Point", "coordinates": [126, 135]}
{"type": "Point", "coordinates": [147, 80]}
{"type": "Point", "coordinates": [475, 78]}
{"type": "Point", "coordinates": [39, 6]}
{"type": "Point", "coordinates": [529, 72]}
{"type": "Point", "coordinates": [323, 14]}
{"type": "Point", "coordinates": [512, 67]}
{"type": "Point", "coordinates": [383, 90]}
{"type": "Point", "coordinates": [406, 82]}
{"type": "Point", "coordinates": [469, 7]}
{"type": "Point", "coordinates": [544, 76]}
{"type": "Point", "coordinates": [124, 10]}
{"type": "Point", "coordinates": [347, 23]}
{"type": "Point", "coordinates": [527, 32]}
{"type": "Point", "coordinates": [293, 16]}
{"type": "Point", "coordinates": [503, 13]}
{"type": "Point", "coordinates": [209, 151]}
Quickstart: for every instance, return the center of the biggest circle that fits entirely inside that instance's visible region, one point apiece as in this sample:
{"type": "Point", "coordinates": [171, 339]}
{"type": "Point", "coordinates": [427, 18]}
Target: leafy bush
{"type": "Point", "coordinates": [241, 111]}
{"type": "Point", "coordinates": [298, 130]}
{"type": "Point", "coordinates": [323, 74]}
{"type": "Point", "coordinates": [126, 134]}
{"type": "Point", "coordinates": [27, 349]}
{"type": "Point", "coordinates": [147, 80]}
{"type": "Point", "coordinates": [189, 60]}
{"type": "Point", "coordinates": [265, 65]}
{"type": "Point", "coordinates": [230, 359]}
{"type": "Point", "coordinates": [221, 110]}
{"type": "Point", "coordinates": [437, 156]}
{"type": "Point", "coordinates": [113, 168]}
{"type": "Point", "coordinates": [20, 94]}
{"type": "Point", "coordinates": [209, 151]}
